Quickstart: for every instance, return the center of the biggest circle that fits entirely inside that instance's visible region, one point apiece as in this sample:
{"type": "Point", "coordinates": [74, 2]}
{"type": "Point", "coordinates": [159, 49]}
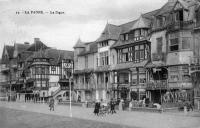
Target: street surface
{"type": "Point", "coordinates": [30, 115]}
{"type": "Point", "coordinates": [11, 118]}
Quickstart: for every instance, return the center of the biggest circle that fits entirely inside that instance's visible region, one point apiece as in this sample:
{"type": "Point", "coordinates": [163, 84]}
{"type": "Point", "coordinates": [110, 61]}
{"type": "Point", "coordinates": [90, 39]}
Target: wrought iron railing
{"type": "Point", "coordinates": [157, 84]}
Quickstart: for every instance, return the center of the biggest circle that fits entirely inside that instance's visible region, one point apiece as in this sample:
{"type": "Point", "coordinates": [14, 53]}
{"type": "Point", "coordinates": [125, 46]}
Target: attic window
{"type": "Point", "coordinates": [179, 15]}
{"type": "Point", "coordinates": [103, 44]}
{"type": "Point", "coordinates": [124, 37]}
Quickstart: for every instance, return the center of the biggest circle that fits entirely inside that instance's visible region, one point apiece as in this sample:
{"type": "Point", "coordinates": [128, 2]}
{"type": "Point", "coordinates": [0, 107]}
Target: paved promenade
{"type": "Point", "coordinates": [136, 119]}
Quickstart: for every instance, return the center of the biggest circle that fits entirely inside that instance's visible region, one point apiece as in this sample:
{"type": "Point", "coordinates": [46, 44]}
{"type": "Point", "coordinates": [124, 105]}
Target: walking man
{"type": "Point", "coordinates": [51, 104]}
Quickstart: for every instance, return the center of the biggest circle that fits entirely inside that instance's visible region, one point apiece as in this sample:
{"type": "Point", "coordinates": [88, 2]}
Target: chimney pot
{"type": "Point", "coordinates": [26, 43]}
{"type": "Point", "coordinates": [36, 39]}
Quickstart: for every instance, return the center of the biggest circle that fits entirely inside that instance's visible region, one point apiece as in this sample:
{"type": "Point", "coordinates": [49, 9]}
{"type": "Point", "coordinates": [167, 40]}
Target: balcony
{"type": "Point", "coordinates": [157, 28]}
{"type": "Point", "coordinates": [38, 88]}
{"type": "Point", "coordinates": [158, 56]}
{"type": "Point", "coordinates": [5, 69]}
{"type": "Point", "coordinates": [157, 84]}
{"type": "Point", "coordinates": [180, 25]}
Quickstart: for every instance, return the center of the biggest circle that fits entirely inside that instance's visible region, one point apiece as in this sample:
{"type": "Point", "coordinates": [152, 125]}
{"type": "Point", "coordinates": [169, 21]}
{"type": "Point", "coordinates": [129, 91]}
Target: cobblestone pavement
{"type": "Point", "coordinates": [136, 119]}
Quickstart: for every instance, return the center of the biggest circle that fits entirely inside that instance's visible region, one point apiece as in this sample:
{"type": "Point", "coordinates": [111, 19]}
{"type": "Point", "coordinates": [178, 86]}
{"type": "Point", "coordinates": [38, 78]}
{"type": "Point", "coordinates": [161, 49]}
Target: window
{"type": "Point", "coordinates": [137, 33]}
{"type": "Point", "coordinates": [141, 52]}
{"type": "Point", "coordinates": [137, 54]}
{"type": "Point", "coordinates": [42, 70]}
{"type": "Point", "coordinates": [126, 36]}
{"type": "Point", "coordinates": [122, 37]}
{"type": "Point", "coordinates": [130, 54]}
{"type": "Point", "coordinates": [179, 15]}
{"type": "Point", "coordinates": [104, 59]}
{"type": "Point", "coordinates": [53, 69]}
{"type": "Point", "coordinates": [103, 44]}
{"type": "Point", "coordinates": [186, 43]}
{"type": "Point", "coordinates": [159, 45]}
{"type": "Point", "coordinates": [125, 55]}
{"type": "Point", "coordinates": [159, 21]}
{"type": "Point", "coordinates": [174, 45]}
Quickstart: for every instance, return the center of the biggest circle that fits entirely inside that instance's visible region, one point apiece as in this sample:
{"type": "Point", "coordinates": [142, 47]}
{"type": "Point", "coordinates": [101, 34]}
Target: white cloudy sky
{"type": "Point", "coordinates": [83, 18]}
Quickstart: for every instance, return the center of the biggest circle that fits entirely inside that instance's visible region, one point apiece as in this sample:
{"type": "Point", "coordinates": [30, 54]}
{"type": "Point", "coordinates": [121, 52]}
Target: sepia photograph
{"type": "Point", "coordinates": [99, 63]}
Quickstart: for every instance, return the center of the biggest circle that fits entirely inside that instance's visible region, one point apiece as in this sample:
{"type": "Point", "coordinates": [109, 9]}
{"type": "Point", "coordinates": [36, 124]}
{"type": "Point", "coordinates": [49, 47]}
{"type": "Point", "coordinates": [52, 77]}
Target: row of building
{"type": "Point", "coordinates": [155, 56]}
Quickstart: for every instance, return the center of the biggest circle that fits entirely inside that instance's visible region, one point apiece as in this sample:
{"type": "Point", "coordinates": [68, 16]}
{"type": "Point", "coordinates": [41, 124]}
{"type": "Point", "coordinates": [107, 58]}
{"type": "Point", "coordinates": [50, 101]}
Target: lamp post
{"type": "Point", "coordinates": [70, 98]}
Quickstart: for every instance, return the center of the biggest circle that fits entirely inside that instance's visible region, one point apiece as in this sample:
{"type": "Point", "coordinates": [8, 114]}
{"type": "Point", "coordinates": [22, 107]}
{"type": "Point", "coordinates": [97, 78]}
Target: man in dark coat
{"type": "Point", "coordinates": [112, 106]}
{"type": "Point", "coordinates": [96, 108]}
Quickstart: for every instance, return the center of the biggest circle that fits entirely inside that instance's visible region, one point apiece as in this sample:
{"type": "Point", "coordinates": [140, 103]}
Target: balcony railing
{"type": "Point", "coordinates": [39, 88]}
{"type": "Point", "coordinates": [157, 84]}
{"type": "Point", "coordinates": [5, 69]}
{"type": "Point", "coordinates": [180, 25]}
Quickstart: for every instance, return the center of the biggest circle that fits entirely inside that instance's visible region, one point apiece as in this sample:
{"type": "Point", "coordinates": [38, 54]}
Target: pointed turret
{"type": "Point", "coordinates": [110, 32]}
{"type": "Point", "coordinates": [79, 44]}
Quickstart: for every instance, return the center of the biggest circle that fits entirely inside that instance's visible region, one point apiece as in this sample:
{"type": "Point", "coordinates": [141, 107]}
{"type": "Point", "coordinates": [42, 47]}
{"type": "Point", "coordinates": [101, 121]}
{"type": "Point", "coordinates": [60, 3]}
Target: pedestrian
{"type": "Point", "coordinates": [96, 108]}
{"type": "Point", "coordinates": [130, 105]}
{"type": "Point", "coordinates": [51, 104]}
{"type": "Point", "coordinates": [112, 107]}
{"type": "Point", "coordinates": [121, 105]}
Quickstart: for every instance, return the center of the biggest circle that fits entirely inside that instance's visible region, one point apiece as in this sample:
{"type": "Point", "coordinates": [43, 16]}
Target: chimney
{"type": "Point", "coordinates": [36, 39]}
{"type": "Point", "coordinates": [27, 43]}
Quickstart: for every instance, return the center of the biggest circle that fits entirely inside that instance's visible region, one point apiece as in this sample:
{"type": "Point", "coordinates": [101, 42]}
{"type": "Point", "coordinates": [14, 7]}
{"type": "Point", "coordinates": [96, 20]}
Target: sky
{"type": "Point", "coordinates": [84, 19]}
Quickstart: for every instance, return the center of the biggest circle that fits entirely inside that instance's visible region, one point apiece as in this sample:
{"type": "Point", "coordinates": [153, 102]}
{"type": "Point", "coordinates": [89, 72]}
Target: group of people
{"type": "Point", "coordinates": [102, 108]}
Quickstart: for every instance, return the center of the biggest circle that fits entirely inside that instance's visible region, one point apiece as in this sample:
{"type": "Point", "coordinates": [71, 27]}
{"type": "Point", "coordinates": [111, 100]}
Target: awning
{"type": "Point", "coordinates": [155, 64]}
{"type": "Point", "coordinates": [103, 68]}
{"type": "Point", "coordinates": [83, 71]}
{"type": "Point", "coordinates": [130, 65]}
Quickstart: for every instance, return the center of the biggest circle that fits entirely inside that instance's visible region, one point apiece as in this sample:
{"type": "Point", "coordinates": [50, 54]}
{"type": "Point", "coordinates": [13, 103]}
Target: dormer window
{"type": "Point", "coordinates": [124, 37]}
{"type": "Point", "coordinates": [103, 44]}
{"type": "Point", "coordinates": [137, 32]}
{"type": "Point", "coordinates": [160, 21]}
{"type": "Point", "coordinates": [179, 15]}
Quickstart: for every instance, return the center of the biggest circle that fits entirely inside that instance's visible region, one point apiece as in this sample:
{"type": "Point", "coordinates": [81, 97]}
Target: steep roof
{"type": "Point", "coordinates": [37, 45]}
{"type": "Point", "coordinates": [126, 27]}
{"type": "Point", "coordinates": [149, 15]}
{"type": "Point", "coordinates": [166, 8]}
{"type": "Point", "coordinates": [79, 44]}
{"type": "Point", "coordinates": [10, 50]}
{"type": "Point", "coordinates": [21, 47]}
{"type": "Point", "coordinates": [54, 55]}
{"type": "Point", "coordinates": [110, 32]}
{"type": "Point", "coordinates": [141, 22]}
{"type": "Point", "coordinates": [24, 55]}
{"type": "Point", "coordinates": [146, 20]}
{"type": "Point", "coordinates": [92, 49]}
